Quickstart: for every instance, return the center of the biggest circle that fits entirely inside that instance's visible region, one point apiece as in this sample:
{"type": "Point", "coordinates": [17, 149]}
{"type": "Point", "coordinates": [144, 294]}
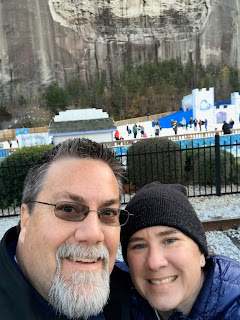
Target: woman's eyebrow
{"type": "Point", "coordinates": [168, 232]}
{"type": "Point", "coordinates": [161, 234]}
{"type": "Point", "coordinates": [135, 239]}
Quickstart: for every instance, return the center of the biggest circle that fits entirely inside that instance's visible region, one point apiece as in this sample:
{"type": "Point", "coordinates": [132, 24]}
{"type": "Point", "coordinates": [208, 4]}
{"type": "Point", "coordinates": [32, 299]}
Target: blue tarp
{"type": "Point", "coordinates": [177, 116]}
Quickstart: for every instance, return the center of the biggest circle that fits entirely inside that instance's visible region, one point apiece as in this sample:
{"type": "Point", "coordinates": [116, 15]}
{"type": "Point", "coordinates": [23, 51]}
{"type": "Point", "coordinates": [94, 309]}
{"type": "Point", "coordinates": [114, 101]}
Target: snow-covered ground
{"type": "Point", "coordinates": [149, 130]}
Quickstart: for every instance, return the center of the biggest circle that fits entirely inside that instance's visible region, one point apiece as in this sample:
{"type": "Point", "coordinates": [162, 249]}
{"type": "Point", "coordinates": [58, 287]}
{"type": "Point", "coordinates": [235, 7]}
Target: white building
{"type": "Point", "coordinates": [202, 103]}
{"type": "Point", "coordinates": [93, 124]}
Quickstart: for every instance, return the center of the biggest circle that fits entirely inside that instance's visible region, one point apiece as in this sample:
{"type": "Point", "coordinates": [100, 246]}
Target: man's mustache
{"type": "Point", "coordinates": [81, 250]}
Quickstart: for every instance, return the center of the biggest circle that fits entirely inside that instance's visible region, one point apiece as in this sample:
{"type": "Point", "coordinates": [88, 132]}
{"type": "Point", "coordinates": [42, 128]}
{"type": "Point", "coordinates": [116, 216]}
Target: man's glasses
{"type": "Point", "coordinates": [73, 211]}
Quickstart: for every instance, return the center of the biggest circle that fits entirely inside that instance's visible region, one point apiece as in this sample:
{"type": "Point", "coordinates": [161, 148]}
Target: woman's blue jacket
{"type": "Point", "coordinates": [219, 298]}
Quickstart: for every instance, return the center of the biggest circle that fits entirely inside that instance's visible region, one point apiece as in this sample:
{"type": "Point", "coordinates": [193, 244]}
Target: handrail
{"type": "Point", "coordinates": [185, 136]}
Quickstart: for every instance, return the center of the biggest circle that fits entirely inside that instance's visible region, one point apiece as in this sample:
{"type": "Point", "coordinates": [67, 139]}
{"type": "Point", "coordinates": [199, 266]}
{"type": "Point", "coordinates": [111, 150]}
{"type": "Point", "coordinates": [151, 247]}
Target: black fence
{"type": "Point", "coordinates": [205, 170]}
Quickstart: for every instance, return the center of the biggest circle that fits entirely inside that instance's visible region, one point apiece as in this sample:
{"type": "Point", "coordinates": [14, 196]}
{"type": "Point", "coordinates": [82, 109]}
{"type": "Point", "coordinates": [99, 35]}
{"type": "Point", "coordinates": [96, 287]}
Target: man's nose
{"type": "Point", "coordinates": [156, 259]}
{"type": "Point", "coordinates": [90, 230]}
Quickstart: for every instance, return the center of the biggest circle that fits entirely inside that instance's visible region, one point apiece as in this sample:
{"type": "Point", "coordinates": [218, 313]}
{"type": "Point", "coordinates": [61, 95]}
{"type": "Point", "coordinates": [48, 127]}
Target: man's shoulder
{"type": "Point", "coordinates": [120, 287]}
{"type": "Point", "coordinates": [120, 279]}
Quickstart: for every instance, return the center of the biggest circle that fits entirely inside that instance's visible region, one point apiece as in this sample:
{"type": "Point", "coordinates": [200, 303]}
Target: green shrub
{"type": "Point", "coordinates": [203, 167]}
{"type": "Point", "coordinates": [13, 170]}
{"type": "Point", "coordinates": [156, 159]}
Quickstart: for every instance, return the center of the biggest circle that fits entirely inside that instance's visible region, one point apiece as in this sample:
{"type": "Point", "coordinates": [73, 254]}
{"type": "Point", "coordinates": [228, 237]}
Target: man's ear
{"type": "Point", "coordinates": [25, 216]}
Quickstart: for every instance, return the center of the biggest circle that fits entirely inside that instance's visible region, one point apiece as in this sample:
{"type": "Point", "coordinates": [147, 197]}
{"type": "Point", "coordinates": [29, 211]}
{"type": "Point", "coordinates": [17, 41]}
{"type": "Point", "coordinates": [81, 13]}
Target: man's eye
{"type": "Point", "coordinates": [109, 212]}
{"type": "Point", "coordinates": [169, 241]}
{"type": "Point", "coordinates": [67, 208]}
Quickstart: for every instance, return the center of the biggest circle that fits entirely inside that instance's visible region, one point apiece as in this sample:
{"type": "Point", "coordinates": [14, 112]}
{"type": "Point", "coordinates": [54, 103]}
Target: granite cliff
{"type": "Point", "coordinates": [46, 40]}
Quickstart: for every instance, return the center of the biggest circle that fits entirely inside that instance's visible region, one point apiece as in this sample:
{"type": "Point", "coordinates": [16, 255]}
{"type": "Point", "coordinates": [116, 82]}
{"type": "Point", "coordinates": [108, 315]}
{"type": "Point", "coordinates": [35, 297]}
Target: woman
{"type": "Point", "coordinates": [165, 248]}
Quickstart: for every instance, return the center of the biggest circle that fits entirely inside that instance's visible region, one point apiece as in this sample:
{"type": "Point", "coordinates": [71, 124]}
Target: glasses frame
{"type": "Point", "coordinates": [86, 213]}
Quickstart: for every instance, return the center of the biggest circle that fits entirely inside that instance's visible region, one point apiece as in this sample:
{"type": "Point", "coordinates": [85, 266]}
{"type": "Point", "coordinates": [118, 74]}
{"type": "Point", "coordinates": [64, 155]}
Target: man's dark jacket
{"type": "Point", "coordinates": [226, 128]}
{"type": "Point", "coordinates": [19, 300]}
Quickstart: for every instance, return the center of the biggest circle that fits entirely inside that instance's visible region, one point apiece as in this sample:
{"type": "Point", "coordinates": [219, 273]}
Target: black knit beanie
{"type": "Point", "coordinates": [163, 204]}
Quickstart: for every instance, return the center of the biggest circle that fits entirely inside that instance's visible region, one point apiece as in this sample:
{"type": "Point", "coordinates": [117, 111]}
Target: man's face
{"type": "Point", "coordinates": [42, 235]}
{"type": "Point", "coordinates": [165, 267]}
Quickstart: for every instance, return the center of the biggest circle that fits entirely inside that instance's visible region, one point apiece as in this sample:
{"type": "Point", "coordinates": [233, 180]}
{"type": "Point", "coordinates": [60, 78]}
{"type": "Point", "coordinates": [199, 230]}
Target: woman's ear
{"type": "Point", "coordinates": [202, 260]}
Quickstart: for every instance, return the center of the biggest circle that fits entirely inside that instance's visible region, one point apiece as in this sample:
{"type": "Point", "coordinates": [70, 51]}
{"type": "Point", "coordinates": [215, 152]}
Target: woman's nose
{"type": "Point", "coordinates": [156, 259]}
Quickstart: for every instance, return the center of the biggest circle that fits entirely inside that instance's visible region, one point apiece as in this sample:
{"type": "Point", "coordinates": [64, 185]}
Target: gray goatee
{"type": "Point", "coordinates": [85, 293]}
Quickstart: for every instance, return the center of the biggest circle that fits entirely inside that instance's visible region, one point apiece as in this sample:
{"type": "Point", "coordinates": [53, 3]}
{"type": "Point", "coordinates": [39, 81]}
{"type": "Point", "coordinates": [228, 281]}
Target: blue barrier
{"type": "Point", "coordinates": [195, 143]}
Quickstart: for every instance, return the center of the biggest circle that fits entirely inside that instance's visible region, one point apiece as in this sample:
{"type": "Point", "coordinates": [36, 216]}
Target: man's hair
{"type": "Point", "coordinates": [72, 148]}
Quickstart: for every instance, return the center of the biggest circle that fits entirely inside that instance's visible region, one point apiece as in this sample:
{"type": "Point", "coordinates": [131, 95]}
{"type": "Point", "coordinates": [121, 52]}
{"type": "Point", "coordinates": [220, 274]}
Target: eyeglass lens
{"type": "Point", "coordinates": [72, 211]}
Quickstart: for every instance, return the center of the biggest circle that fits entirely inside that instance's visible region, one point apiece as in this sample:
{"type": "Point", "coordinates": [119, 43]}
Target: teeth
{"type": "Point", "coordinates": [167, 280]}
{"type": "Point", "coordinates": [78, 259]}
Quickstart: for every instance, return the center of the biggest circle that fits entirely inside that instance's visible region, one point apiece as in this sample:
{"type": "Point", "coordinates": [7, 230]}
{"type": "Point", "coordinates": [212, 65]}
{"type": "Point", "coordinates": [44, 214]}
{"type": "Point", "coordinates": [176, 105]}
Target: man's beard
{"type": "Point", "coordinates": [86, 292]}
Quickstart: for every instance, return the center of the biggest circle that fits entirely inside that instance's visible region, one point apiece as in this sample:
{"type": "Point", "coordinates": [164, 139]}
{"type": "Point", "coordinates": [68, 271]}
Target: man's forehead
{"type": "Point", "coordinates": [77, 163]}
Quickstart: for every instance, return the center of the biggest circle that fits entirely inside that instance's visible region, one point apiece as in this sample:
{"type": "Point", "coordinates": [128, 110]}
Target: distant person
{"type": "Point", "coordinates": [135, 131]}
{"type": "Point", "coordinates": [200, 124]}
{"type": "Point", "coordinates": [117, 135]}
{"type": "Point", "coordinates": [156, 130]}
{"type": "Point", "coordinates": [195, 123]}
{"type": "Point", "coordinates": [231, 123]}
{"type": "Point", "coordinates": [128, 130]}
{"type": "Point", "coordinates": [206, 124]}
{"type": "Point", "coordinates": [142, 131]}
{"type": "Point", "coordinates": [175, 128]}
{"type": "Point", "coordinates": [172, 122]}
{"type": "Point", "coordinates": [190, 122]}
{"type": "Point", "coordinates": [226, 128]}
{"type": "Point", "coordinates": [10, 143]}
{"type": "Point", "coordinates": [184, 122]}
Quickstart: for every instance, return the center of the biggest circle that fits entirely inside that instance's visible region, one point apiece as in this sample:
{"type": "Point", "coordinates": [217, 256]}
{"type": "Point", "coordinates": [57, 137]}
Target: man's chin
{"type": "Point", "coordinates": [83, 295]}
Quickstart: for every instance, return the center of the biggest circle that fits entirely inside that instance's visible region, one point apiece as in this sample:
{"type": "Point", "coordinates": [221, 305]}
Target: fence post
{"type": "Point", "coordinates": [217, 163]}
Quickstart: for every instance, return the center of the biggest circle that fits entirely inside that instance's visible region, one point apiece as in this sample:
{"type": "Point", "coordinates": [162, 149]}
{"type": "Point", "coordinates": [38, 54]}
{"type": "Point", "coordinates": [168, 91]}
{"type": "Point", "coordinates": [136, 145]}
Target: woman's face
{"type": "Point", "coordinates": [166, 268]}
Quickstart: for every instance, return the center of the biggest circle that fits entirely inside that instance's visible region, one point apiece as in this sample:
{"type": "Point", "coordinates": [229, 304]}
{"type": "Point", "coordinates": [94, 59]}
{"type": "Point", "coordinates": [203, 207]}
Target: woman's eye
{"type": "Point", "coordinates": [139, 246]}
{"type": "Point", "coordinates": [169, 241]}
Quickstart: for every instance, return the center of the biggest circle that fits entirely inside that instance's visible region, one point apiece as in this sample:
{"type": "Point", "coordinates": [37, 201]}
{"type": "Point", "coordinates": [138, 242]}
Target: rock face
{"type": "Point", "coordinates": [46, 40]}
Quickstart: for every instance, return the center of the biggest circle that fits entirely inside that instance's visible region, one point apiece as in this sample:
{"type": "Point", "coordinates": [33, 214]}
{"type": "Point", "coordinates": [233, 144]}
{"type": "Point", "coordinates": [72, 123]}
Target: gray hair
{"type": "Point", "coordinates": [72, 148]}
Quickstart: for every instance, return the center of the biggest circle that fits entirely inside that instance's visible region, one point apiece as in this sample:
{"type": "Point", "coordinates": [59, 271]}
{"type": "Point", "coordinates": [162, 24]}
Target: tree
{"type": "Point", "coordinates": [22, 101]}
{"type": "Point", "coordinates": [3, 99]}
{"type": "Point", "coordinates": [56, 98]}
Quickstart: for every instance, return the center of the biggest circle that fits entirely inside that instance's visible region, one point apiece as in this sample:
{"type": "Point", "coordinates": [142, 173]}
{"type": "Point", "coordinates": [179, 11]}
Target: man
{"type": "Point", "coordinates": [191, 121]}
{"type": "Point", "coordinates": [226, 128]}
{"type": "Point", "coordinates": [135, 130]}
{"type": "Point", "coordinates": [57, 266]}
{"type": "Point", "coordinates": [117, 135]}
{"type": "Point", "coordinates": [195, 122]}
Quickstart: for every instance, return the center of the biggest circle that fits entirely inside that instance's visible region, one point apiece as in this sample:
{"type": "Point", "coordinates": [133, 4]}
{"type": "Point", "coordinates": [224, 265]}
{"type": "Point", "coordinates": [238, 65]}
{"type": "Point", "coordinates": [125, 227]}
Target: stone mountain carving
{"type": "Point", "coordinates": [46, 40]}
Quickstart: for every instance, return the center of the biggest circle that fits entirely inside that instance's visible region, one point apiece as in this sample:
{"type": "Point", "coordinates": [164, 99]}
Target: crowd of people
{"type": "Point", "coordinates": [192, 122]}
{"type": "Point", "coordinates": [137, 131]}
{"type": "Point", "coordinates": [59, 262]}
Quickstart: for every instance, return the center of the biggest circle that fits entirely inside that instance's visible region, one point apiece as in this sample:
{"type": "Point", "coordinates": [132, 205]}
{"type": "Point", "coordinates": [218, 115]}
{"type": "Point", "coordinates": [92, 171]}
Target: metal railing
{"type": "Point", "coordinates": [205, 170]}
